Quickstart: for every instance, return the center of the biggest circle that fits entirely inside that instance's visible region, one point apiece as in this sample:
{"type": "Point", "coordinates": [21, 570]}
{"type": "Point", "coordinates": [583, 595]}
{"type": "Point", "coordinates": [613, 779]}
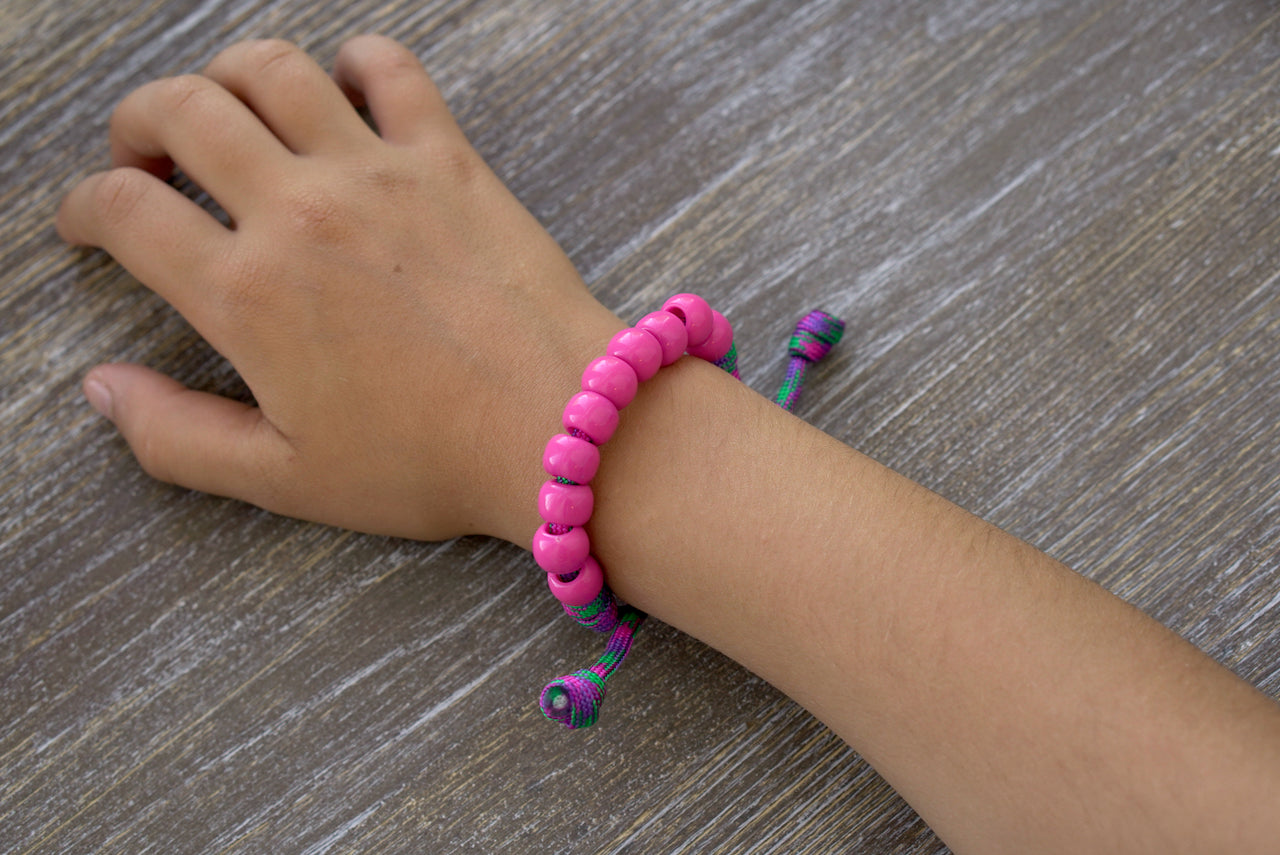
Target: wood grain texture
{"type": "Point", "coordinates": [1053, 227]}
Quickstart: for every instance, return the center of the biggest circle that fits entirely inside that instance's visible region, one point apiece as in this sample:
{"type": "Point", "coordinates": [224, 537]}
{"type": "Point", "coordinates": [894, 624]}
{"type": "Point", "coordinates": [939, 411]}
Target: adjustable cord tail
{"type": "Point", "coordinates": [813, 339]}
{"type": "Point", "coordinates": [574, 699]}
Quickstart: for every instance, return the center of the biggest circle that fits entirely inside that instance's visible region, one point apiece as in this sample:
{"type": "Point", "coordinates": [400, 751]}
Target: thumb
{"type": "Point", "coordinates": [193, 439]}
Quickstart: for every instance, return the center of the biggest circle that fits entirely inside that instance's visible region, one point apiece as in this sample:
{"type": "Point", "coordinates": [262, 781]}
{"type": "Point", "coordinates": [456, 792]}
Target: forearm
{"type": "Point", "coordinates": [1016, 705]}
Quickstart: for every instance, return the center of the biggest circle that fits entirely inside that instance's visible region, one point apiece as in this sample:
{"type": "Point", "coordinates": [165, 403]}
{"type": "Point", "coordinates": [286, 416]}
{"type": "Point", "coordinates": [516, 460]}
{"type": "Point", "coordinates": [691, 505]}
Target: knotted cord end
{"type": "Point", "coordinates": [574, 699]}
{"type": "Point", "coordinates": [815, 335]}
{"type": "Point", "coordinates": [813, 339]}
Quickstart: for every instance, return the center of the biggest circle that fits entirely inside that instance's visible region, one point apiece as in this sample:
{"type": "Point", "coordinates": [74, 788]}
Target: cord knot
{"type": "Point", "coordinates": [815, 335]}
{"type": "Point", "coordinates": [813, 339]}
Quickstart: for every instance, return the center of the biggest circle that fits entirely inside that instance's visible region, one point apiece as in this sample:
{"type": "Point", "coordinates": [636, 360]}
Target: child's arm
{"type": "Point", "coordinates": [410, 334]}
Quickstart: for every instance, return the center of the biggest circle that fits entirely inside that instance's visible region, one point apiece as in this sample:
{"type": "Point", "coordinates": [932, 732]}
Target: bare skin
{"type": "Point", "coordinates": [1017, 706]}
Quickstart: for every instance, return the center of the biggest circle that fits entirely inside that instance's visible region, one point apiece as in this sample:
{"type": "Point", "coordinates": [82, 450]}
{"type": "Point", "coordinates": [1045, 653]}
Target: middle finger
{"type": "Point", "coordinates": [295, 98]}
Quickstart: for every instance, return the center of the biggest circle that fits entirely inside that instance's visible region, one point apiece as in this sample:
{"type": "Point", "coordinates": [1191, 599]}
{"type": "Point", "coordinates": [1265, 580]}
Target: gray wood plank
{"type": "Point", "coordinates": [1051, 226]}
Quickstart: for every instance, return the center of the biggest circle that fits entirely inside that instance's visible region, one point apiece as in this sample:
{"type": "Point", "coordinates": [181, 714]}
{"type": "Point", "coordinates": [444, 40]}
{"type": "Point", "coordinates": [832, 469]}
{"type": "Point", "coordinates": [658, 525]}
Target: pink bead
{"type": "Point", "coordinates": [720, 341]}
{"type": "Point", "coordinates": [560, 553]}
{"type": "Point", "coordinates": [611, 377]}
{"type": "Point", "coordinates": [580, 590]}
{"type": "Point", "coordinates": [571, 457]}
{"type": "Point", "coordinates": [695, 313]}
{"type": "Point", "coordinates": [593, 414]}
{"type": "Point", "coordinates": [567, 504]}
{"type": "Point", "coordinates": [670, 333]}
{"type": "Point", "coordinates": [639, 349]}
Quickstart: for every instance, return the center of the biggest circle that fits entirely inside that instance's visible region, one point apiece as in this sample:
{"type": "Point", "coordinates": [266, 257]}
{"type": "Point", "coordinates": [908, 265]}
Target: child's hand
{"type": "Point", "coordinates": [408, 330]}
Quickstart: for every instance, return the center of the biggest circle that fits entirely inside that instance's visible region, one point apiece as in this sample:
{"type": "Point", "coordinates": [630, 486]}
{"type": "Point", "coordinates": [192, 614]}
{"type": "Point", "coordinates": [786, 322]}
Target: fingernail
{"type": "Point", "coordinates": [99, 396]}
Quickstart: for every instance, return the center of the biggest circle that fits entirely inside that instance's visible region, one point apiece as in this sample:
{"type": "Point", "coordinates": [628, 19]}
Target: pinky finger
{"type": "Point", "coordinates": [385, 76]}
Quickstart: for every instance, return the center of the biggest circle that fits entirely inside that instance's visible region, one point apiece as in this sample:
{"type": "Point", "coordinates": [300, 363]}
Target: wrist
{"type": "Point", "coordinates": [591, 417]}
{"type": "Point", "coordinates": [517, 516]}
{"type": "Point", "coordinates": [531, 415]}
{"type": "Point", "coordinates": [699, 419]}
{"type": "Point", "coordinates": [676, 485]}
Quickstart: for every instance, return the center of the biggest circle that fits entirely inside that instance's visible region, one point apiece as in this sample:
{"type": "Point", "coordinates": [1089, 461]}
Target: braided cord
{"type": "Point", "coordinates": [600, 615]}
{"type": "Point", "coordinates": [729, 362]}
{"type": "Point", "coordinates": [813, 339]}
{"type": "Point", "coordinates": [574, 699]}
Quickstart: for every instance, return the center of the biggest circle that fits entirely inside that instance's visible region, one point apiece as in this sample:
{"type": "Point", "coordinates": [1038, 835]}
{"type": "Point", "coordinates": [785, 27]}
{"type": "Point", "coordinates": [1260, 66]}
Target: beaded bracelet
{"type": "Point", "coordinates": [686, 324]}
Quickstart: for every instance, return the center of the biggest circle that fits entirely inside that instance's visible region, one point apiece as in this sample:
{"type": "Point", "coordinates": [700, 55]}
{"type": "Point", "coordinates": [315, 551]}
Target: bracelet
{"type": "Point", "coordinates": [685, 324]}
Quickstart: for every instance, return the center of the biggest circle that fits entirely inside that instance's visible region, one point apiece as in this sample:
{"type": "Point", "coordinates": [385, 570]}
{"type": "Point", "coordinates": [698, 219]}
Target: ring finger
{"type": "Point", "coordinates": [294, 97]}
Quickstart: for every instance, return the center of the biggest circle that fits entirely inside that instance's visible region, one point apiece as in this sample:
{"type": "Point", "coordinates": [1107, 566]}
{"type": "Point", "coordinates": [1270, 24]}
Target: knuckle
{"type": "Point", "coordinates": [388, 180]}
{"type": "Point", "coordinates": [391, 60]}
{"type": "Point", "coordinates": [118, 194]}
{"type": "Point", "coordinates": [185, 94]}
{"type": "Point", "coordinates": [275, 56]}
{"type": "Point", "coordinates": [271, 473]}
{"type": "Point", "coordinates": [317, 215]}
{"type": "Point", "coordinates": [458, 161]}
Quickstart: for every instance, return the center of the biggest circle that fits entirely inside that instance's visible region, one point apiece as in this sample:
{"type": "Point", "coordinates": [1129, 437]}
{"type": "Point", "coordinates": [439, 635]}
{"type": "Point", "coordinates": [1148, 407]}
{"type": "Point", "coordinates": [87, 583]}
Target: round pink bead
{"type": "Point", "coordinates": [670, 333]}
{"type": "Point", "coordinates": [611, 377]}
{"type": "Point", "coordinates": [695, 313]}
{"type": "Point", "coordinates": [581, 589]}
{"type": "Point", "coordinates": [570, 457]}
{"type": "Point", "coordinates": [567, 504]}
{"type": "Point", "coordinates": [593, 414]}
{"type": "Point", "coordinates": [639, 349]}
{"type": "Point", "coordinates": [560, 553]}
{"type": "Point", "coordinates": [718, 344]}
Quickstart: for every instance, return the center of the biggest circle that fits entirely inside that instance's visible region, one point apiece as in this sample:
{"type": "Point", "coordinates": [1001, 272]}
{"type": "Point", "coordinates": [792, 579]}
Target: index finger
{"type": "Point", "coordinates": [160, 236]}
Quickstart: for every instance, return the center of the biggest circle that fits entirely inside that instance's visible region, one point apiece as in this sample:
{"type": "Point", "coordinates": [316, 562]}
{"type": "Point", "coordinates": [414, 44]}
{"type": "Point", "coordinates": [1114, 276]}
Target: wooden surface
{"type": "Point", "coordinates": [1053, 227]}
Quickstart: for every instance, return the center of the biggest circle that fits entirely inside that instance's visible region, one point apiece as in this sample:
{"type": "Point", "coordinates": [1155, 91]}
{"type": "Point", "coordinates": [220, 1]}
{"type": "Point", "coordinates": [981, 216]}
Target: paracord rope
{"type": "Point", "coordinates": [813, 339]}
{"type": "Point", "coordinates": [574, 699]}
